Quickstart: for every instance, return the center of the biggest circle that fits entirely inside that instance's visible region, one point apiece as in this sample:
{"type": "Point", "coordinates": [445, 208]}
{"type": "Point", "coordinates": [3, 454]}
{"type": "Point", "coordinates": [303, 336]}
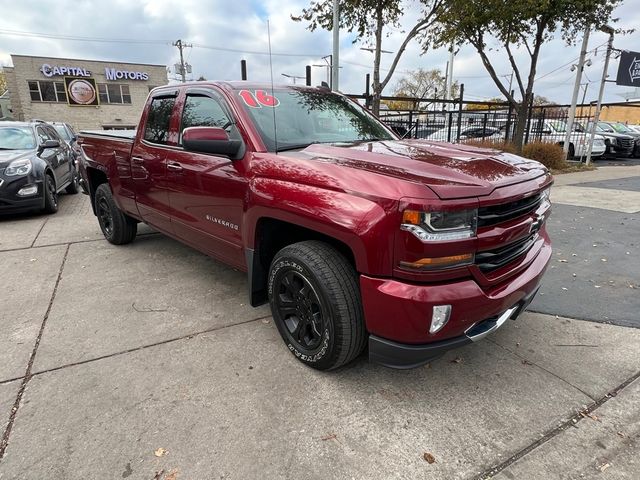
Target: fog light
{"type": "Point", "coordinates": [439, 317]}
{"type": "Point", "coordinates": [28, 190]}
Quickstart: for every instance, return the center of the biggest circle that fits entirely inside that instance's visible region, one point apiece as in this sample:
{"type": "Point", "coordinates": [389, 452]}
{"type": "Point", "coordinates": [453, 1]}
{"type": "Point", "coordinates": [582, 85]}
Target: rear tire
{"type": "Point", "coordinates": [50, 194]}
{"type": "Point", "coordinates": [74, 186]}
{"type": "Point", "coordinates": [316, 305]}
{"type": "Point", "coordinates": [572, 151]}
{"type": "Point", "coordinates": [117, 227]}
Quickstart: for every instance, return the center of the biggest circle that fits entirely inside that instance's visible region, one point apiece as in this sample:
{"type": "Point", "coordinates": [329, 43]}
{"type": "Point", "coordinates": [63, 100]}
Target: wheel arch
{"type": "Point", "coordinates": [95, 178]}
{"type": "Point", "coordinates": [272, 235]}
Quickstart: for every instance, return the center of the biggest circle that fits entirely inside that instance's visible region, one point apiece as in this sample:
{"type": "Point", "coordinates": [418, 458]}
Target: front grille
{"type": "Point", "coordinates": [490, 260]}
{"type": "Point", "coordinates": [625, 143]}
{"type": "Point", "coordinates": [495, 214]}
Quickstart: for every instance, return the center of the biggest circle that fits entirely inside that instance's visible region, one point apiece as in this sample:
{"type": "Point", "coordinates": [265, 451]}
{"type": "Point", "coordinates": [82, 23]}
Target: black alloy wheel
{"type": "Point", "coordinates": [301, 310]}
{"type": "Point", "coordinates": [315, 302]}
{"type": "Point", "coordinates": [50, 194]}
{"type": "Point", "coordinates": [117, 227]}
{"type": "Point", "coordinates": [105, 217]}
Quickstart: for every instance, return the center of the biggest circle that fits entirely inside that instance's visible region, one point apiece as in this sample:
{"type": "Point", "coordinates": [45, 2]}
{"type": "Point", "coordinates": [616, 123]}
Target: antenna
{"type": "Point", "coordinates": [275, 129]}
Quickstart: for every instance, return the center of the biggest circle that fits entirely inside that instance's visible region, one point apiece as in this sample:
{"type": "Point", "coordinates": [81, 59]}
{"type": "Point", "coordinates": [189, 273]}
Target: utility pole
{"type": "Point", "coordinates": [605, 72]}
{"type": "Point", "coordinates": [449, 74]}
{"type": "Point", "coordinates": [335, 61]}
{"type": "Point", "coordinates": [181, 46]}
{"type": "Point", "coordinates": [576, 91]}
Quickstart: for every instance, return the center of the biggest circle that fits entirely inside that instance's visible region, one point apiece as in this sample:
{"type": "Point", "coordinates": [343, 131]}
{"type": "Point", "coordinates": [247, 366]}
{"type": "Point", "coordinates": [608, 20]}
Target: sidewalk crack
{"type": "Point", "coordinates": [542, 368]}
{"type": "Point", "coordinates": [27, 376]}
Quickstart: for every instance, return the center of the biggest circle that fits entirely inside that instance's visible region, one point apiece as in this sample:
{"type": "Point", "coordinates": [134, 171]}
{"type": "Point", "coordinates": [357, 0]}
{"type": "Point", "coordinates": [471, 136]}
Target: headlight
{"type": "Point", "coordinates": [546, 193]}
{"type": "Point", "coordinates": [440, 226]}
{"type": "Point", "coordinates": [614, 141]}
{"type": "Point", "coordinates": [18, 167]}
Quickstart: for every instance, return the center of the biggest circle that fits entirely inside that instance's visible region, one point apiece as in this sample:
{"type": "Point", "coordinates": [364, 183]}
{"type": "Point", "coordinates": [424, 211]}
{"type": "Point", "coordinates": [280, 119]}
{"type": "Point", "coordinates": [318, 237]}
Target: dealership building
{"type": "Point", "coordinates": [88, 94]}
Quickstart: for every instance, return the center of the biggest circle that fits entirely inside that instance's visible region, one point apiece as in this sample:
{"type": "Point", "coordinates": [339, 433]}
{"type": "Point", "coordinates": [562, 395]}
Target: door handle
{"type": "Point", "coordinates": [133, 159]}
{"type": "Point", "coordinates": [175, 166]}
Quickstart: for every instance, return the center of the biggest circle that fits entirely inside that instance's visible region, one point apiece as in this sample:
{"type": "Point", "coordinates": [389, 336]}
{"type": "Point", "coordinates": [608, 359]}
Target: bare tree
{"type": "Point", "coordinates": [369, 19]}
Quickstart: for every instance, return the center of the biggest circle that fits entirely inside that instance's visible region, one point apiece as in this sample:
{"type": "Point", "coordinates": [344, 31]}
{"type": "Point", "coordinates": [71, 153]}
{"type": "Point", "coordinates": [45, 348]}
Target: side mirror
{"type": "Point", "coordinates": [210, 140]}
{"type": "Point", "coordinates": [50, 144]}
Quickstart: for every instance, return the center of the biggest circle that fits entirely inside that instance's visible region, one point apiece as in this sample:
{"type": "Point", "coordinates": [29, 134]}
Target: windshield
{"type": "Point", "coordinates": [304, 116]}
{"type": "Point", "coordinates": [16, 138]}
{"type": "Point", "coordinates": [558, 126]}
{"type": "Point", "coordinates": [605, 127]}
{"type": "Point", "coordinates": [621, 128]}
{"type": "Point", "coordinates": [62, 132]}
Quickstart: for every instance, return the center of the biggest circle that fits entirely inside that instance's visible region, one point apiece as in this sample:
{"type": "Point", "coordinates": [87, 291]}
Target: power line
{"type": "Point", "coordinates": [567, 64]}
{"type": "Point", "coordinates": [75, 38]}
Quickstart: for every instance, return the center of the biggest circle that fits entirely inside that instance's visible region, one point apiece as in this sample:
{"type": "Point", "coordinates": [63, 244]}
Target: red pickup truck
{"type": "Point", "coordinates": [352, 235]}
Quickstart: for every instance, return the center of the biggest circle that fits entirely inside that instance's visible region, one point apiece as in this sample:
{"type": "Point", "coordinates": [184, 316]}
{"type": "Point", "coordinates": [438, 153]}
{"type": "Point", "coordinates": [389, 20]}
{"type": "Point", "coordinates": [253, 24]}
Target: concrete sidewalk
{"type": "Point", "coordinates": [144, 362]}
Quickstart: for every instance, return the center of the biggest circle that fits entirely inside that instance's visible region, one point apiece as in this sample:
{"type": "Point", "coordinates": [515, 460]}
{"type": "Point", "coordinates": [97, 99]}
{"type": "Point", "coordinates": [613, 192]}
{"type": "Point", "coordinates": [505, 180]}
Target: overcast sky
{"type": "Point", "coordinates": [242, 25]}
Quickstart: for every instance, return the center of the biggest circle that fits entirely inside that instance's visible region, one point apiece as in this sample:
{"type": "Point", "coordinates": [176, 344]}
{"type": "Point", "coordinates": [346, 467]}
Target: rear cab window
{"type": "Point", "coordinates": [158, 121]}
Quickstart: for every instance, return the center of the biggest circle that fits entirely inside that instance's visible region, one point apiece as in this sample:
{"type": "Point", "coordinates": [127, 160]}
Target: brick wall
{"type": "Point", "coordinates": [81, 117]}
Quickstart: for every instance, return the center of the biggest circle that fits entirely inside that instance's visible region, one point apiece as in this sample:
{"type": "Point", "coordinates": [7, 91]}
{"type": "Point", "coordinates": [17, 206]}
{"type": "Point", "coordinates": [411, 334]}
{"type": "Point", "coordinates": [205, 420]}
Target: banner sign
{"type": "Point", "coordinates": [629, 69]}
{"type": "Point", "coordinates": [81, 91]}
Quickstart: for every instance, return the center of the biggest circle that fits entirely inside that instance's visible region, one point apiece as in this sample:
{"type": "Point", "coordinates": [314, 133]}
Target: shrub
{"type": "Point", "coordinates": [549, 154]}
{"type": "Point", "coordinates": [495, 144]}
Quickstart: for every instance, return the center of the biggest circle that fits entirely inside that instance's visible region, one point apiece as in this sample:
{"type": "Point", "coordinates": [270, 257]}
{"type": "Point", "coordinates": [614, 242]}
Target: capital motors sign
{"type": "Point", "coordinates": [629, 69]}
{"type": "Point", "coordinates": [112, 74]}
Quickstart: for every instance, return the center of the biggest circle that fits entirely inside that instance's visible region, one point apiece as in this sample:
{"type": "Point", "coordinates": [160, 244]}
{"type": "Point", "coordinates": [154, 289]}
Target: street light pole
{"type": "Point", "coordinates": [605, 72]}
{"type": "Point", "coordinates": [576, 91]}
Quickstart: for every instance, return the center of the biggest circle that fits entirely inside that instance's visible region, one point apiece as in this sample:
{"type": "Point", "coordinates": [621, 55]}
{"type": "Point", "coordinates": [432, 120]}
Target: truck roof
{"type": "Point", "coordinates": [241, 84]}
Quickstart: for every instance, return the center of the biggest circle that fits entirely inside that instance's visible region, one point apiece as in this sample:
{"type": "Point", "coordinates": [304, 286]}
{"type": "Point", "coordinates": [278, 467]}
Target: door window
{"type": "Point", "coordinates": [157, 125]}
{"type": "Point", "coordinates": [43, 135]}
{"type": "Point", "coordinates": [203, 111]}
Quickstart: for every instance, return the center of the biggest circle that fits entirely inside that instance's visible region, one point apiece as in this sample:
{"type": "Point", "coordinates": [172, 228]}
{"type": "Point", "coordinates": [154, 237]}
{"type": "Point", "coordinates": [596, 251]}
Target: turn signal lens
{"type": "Point", "coordinates": [439, 262]}
{"type": "Point", "coordinates": [411, 217]}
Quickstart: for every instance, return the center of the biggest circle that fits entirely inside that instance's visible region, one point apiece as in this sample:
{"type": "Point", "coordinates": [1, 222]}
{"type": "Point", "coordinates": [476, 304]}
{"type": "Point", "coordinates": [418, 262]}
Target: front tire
{"type": "Point", "coordinates": [316, 306]}
{"type": "Point", "coordinates": [50, 194]}
{"type": "Point", "coordinates": [117, 227]}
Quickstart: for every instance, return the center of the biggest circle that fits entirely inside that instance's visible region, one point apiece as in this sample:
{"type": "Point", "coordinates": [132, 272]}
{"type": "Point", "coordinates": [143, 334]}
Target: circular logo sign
{"type": "Point", "coordinates": [82, 92]}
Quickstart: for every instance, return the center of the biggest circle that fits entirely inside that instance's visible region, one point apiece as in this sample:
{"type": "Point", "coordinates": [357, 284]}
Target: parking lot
{"type": "Point", "coordinates": [146, 362]}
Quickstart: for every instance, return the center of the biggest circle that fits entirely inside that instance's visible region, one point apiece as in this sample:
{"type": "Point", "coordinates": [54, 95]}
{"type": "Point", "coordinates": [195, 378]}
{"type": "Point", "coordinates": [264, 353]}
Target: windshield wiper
{"type": "Point", "coordinates": [294, 147]}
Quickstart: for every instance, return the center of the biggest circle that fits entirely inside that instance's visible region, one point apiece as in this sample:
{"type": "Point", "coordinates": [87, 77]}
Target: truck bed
{"type": "Point", "coordinates": [120, 134]}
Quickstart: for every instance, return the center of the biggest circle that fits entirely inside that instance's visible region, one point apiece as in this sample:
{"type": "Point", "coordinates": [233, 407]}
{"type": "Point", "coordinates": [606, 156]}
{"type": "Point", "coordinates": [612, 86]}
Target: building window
{"type": "Point", "coordinates": [47, 91]}
{"type": "Point", "coordinates": [114, 93]}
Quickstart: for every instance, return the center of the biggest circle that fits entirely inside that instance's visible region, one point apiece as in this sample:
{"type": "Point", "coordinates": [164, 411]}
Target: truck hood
{"type": "Point", "coordinates": [451, 171]}
{"type": "Point", "coordinates": [8, 156]}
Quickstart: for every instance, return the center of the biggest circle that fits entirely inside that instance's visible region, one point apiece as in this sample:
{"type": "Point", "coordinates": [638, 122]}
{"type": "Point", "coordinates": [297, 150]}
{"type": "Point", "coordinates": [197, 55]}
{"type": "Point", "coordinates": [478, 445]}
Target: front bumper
{"type": "Point", "coordinates": [11, 202]}
{"type": "Point", "coordinates": [398, 314]}
{"type": "Point", "coordinates": [403, 356]}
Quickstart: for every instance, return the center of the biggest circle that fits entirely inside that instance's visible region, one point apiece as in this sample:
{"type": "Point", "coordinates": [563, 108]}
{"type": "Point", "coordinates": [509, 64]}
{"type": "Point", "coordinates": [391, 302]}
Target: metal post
{"type": "Point", "coordinates": [576, 91]}
{"type": "Point", "coordinates": [335, 61]}
{"type": "Point", "coordinates": [449, 80]}
{"type": "Point", "coordinates": [528, 124]}
{"type": "Point", "coordinates": [460, 112]}
{"type": "Point", "coordinates": [308, 75]}
{"type": "Point", "coordinates": [605, 72]}
{"type": "Point", "coordinates": [243, 69]}
{"type": "Point", "coordinates": [509, 115]}
{"type": "Point", "coordinates": [367, 94]}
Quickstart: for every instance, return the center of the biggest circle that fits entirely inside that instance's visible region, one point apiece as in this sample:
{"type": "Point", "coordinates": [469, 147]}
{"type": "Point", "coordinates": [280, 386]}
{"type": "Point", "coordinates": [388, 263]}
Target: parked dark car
{"type": "Point", "coordinates": [35, 165]}
{"type": "Point", "coordinates": [66, 132]}
{"type": "Point", "coordinates": [623, 129]}
{"type": "Point", "coordinates": [617, 144]}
